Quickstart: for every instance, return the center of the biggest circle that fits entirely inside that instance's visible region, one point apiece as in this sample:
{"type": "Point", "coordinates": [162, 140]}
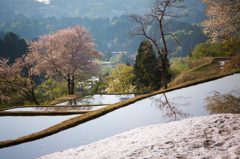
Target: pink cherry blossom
{"type": "Point", "coordinates": [66, 53]}
{"type": "Point", "coordinates": [223, 22]}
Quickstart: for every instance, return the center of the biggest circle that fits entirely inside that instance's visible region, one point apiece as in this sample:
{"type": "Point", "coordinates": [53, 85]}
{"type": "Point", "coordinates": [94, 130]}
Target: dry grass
{"type": "Point", "coordinates": [201, 62]}
{"type": "Point", "coordinates": [234, 63]}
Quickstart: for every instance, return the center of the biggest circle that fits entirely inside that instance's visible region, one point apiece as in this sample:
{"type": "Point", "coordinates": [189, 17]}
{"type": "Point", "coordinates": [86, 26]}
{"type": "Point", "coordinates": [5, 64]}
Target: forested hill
{"type": "Point", "coordinates": [92, 9]}
{"type": "Point", "coordinates": [108, 36]}
{"type": "Point", "coordinates": [30, 19]}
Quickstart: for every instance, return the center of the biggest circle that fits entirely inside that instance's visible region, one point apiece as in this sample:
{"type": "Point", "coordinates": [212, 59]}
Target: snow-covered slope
{"type": "Point", "coordinates": [214, 136]}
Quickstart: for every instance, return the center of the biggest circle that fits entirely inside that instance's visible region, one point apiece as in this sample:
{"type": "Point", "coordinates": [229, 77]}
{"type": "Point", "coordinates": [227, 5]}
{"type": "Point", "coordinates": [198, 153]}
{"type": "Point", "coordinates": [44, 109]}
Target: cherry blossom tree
{"type": "Point", "coordinates": [67, 53]}
{"type": "Point", "coordinates": [19, 77]}
{"type": "Point", "coordinates": [159, 16]}
{"type": "Point", "coordinates": [224, 19]}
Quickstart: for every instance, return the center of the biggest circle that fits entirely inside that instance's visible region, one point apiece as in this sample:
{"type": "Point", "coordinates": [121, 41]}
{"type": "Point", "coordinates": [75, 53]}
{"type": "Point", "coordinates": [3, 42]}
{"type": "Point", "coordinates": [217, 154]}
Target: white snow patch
{"type": "Point", "coordinates": [222, 63]}
{"type": "Point", "coordinates": [214, 136]}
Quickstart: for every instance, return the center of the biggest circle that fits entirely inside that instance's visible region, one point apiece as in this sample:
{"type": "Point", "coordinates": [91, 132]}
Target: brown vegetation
{"type": "Point", "coordinates": [200, 62]}
{"type": "Point", "coordinates": [231, 65]}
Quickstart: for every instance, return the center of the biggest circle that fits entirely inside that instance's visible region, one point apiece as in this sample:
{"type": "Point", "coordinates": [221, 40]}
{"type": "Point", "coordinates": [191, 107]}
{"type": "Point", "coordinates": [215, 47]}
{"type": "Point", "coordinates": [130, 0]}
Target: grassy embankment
{"type": "Point", "coordinates": [200, 72]}
{"type": "Point", "coordinates": [201, 69]}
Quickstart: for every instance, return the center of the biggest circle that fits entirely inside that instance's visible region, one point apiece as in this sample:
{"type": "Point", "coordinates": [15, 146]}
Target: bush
{"type": "Point", "coordinates": [208, 49]}
{"type": "Point", "coordinates": [179, 64]}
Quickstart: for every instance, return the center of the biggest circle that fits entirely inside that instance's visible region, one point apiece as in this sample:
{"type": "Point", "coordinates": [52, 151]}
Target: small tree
{"type": "Point", "coordinates": [67, 53]}
{"type": "Point", "coordinates": [121, 79]}
{"type": "Point", "coordinates": [19, 77]}
{"type": "Point", "coordinates": [50, 89]}
{"type": "Point", "coordinates": [128, 64]}
{"type": "Point", "coordinates": [161, 14]}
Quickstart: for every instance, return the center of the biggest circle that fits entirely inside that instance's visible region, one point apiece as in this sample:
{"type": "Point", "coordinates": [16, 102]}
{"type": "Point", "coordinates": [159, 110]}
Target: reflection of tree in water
{"type": "Point", "coordinates": [126, 96]}
{"type": "Point", "coordinates": [63, 108]}
{"type": "Point", "coordinates": [102, 99]}
{"type": "Point", "coordinates": [88, 100]}
{"type": "Point", "coordinates": [170, 108]}
{"type": "Point", "coordinates": [223, 103]}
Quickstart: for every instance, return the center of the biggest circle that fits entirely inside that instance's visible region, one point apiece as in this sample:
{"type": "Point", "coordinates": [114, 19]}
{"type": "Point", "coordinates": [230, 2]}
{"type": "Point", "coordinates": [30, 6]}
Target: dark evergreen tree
{"type": "Point", "coordinates": [128, 64]}
{"type": "Point", "coordinates": [138, 72]}
{"type": "Point", "coordinates": [147, 69]}
{"type": "Point", "coordinates": [151, 68]}
{"type": "Point", "coordinates": [12, 47]}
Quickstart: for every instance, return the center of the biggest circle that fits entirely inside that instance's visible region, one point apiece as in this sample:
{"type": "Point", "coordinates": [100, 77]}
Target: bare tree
{"type": "Point", "coordinates": [160, 15]}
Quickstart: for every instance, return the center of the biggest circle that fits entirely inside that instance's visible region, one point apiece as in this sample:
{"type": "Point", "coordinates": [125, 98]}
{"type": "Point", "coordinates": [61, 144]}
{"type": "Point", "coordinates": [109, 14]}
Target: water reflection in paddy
{"type": "Point", "coordinates": [15, 127]}
{"type": "Point", "coordinates": [69, 108]}
{"type": "Point", "coordinates": [161, 108]}
{"type": "Point", "coordinates": [98, 99]}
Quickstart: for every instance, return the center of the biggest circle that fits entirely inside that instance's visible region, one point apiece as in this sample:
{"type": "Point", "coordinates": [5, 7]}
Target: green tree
{"type": "Point", "coordinates": [120, 81]}
{"type": "Point", "coordinates": [138, 72]}
{"type": "Point", "coordinates": [128, 64]}
{"type": "Point", "coordinates": [147, 70]}
{"type": "Point", "coordinates": [99, 86]}
{"type": "Point", "coordinates": [233, 46]}
{"type": "Point", "coordinates": [119, 58]}
{"type": "Point", "coordinates": [50, 90]}
{"type": "Point", "coordinates": [179, 64]}
{"type": "Point", "coordinates": [106, 69]}
{"type": "Point", "coordinates": [209, 49]}
{"type": "Point", "coordinates": [112, 60]}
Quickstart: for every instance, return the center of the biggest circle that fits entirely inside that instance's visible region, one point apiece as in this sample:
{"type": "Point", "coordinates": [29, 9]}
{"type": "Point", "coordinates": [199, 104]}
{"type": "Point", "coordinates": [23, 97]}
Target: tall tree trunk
{"type": "Point", "coordinates": [164, 79]}
{"type": "Point", "coordinates": [34, 98]}
{"type": "Point", "coordinates": [35, 101]}
{"type": "Point", "coordinates": [69, 86]}
{"type": "Point", "coordinates": [72, 85]}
